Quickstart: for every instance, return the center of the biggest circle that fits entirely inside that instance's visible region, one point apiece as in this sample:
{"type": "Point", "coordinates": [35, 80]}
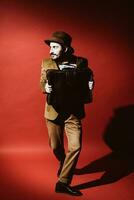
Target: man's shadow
{"type": "Point", "coordinates": [119, 136]}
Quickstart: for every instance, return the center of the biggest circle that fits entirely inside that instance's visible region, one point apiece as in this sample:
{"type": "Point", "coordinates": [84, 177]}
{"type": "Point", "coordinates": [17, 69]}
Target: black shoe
{"type": "Point", "coordinates": [64, 188]}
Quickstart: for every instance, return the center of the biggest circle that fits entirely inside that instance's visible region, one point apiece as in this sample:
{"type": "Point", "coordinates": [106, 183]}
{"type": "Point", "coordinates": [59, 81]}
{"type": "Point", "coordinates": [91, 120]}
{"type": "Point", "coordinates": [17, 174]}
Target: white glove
{"type": "Point", "coordinates": [90, 85]}
{"type": "Point", "coordinates": [48, 88]}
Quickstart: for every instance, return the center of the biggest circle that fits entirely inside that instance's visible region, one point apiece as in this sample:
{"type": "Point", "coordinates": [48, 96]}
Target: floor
{"type": "Point", "coordinates": [30, 174]}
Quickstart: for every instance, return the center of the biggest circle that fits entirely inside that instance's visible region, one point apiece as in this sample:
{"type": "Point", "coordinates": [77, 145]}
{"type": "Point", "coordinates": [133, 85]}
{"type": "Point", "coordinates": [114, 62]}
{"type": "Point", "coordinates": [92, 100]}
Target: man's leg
{"type": "Point", "coordinates": [73, 132]}
{"type": "Point", "coordinates": [74, 136]}
{"type": "Point", "coordinates": [55, 133]}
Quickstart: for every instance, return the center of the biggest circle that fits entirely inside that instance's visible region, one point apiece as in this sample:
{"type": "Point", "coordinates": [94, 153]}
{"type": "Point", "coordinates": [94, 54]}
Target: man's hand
{"type": "Point", "coordinates": [90, 85]}
{"type": "Point", "coordinates": [48, 88]}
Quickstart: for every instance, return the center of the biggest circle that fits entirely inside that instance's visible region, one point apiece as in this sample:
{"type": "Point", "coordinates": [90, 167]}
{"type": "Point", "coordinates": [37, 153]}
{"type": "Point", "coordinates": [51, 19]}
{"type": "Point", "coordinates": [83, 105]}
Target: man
{"type": "Point", "coordinates": [63, 62]}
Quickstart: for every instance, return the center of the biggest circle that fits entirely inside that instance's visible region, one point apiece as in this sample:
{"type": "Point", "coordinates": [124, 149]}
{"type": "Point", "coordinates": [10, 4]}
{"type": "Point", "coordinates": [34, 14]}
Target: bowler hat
{"type": "Point", "coordinates": [60, 37]}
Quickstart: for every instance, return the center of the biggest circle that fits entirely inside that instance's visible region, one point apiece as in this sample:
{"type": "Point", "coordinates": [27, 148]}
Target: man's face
{"type": "Point", "coordinates": [55, 50]}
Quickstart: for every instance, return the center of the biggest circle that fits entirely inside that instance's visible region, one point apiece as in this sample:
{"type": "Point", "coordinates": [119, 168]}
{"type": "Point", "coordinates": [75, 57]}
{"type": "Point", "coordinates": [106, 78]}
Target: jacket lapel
{"type": "Point", "coordinates": [52, 64]}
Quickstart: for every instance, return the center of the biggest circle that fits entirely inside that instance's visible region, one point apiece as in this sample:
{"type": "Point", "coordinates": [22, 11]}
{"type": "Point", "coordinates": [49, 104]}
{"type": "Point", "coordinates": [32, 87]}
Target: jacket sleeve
{"type": "Point", "coordinates": [43, 79]}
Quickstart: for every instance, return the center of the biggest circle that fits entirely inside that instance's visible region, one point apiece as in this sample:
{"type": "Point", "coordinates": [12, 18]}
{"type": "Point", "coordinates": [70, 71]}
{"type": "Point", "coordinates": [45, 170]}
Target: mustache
{"type": "Point", "coordinates": [53, 54]}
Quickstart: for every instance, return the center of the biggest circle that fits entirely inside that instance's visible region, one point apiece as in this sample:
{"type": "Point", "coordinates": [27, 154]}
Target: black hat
{"type": "Point", "coordinates": [60, 37]}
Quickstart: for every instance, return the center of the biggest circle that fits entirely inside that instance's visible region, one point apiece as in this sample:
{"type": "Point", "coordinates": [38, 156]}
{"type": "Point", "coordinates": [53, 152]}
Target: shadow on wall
{"type": "Point", "coordinates": [119, 136]}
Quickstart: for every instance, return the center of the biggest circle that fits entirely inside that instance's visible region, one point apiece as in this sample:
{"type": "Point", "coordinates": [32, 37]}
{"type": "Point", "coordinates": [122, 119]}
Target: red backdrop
{"type": "Point", "coordinates": [100, 33]}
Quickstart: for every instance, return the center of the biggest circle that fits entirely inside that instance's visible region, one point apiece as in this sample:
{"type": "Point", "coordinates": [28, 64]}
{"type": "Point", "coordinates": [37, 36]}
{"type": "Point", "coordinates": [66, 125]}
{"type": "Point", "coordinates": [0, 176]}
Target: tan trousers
{"type": "Point", "coordinates": [69, 159]}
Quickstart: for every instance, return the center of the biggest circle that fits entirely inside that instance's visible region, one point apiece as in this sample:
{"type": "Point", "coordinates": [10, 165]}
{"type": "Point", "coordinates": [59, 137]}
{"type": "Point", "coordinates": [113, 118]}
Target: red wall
{"type": "Point", "coordinates": [100, 33]}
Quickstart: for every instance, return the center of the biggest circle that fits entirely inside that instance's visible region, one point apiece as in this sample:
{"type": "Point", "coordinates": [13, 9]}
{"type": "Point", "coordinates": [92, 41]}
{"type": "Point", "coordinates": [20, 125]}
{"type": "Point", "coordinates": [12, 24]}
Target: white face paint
{"type": "Point", "coordinates": [55, 50]}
